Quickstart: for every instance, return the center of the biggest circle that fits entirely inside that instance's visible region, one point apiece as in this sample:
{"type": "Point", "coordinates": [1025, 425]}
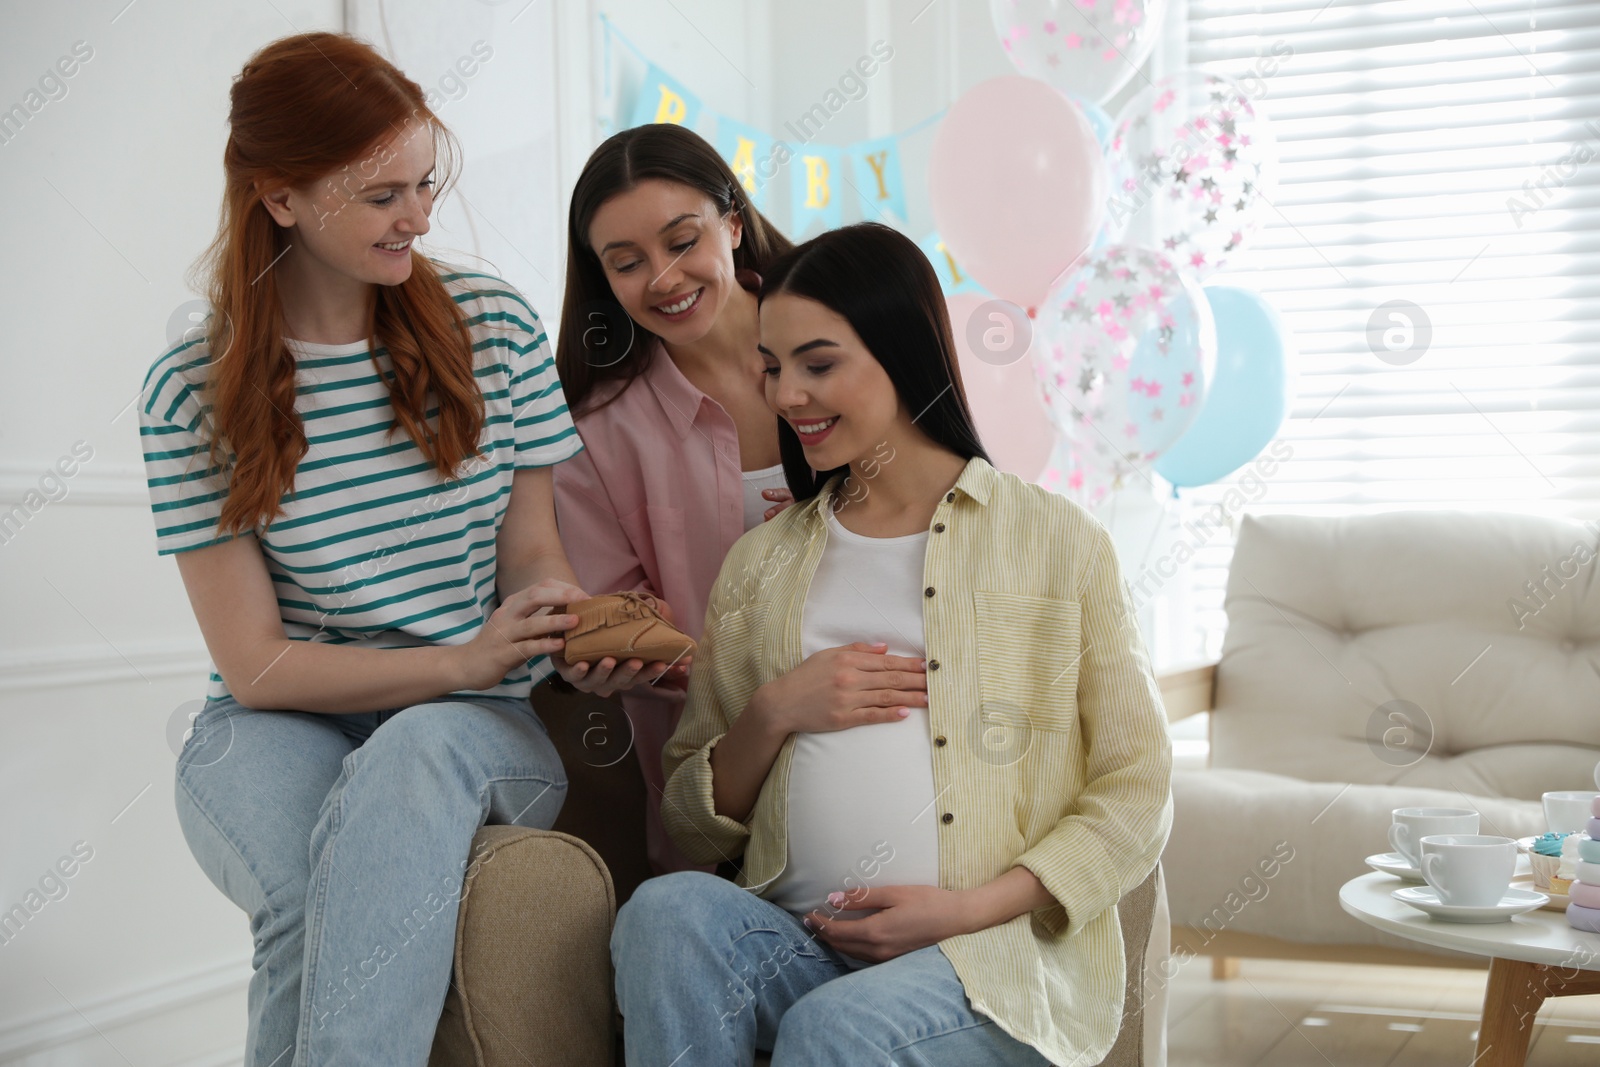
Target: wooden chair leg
{"type": "Point", "coordinates": [1224, 967]}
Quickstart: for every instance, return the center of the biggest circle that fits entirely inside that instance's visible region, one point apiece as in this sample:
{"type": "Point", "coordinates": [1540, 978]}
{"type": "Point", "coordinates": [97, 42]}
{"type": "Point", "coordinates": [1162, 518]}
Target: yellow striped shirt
{"type": "Point", "coordinates": [1050, 742]}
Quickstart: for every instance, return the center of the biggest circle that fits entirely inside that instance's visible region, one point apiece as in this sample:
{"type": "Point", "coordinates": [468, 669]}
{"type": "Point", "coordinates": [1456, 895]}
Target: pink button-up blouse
{"type": "Point", "coordinates": [653, 502]}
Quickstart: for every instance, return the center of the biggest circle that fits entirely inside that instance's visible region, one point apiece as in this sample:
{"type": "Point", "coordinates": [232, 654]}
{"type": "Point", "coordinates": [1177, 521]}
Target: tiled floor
{"type": "Point", "coordinates": [1283, 1014]}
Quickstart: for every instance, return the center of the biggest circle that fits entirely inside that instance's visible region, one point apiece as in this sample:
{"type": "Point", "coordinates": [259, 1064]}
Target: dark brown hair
{"type": "Point", "coordinates": [877, 280]}
{"type": "Point", "coordinates": [590, 317]}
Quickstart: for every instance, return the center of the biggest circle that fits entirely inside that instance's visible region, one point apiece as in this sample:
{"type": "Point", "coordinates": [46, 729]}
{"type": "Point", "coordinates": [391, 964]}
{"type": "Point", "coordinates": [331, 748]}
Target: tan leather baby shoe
{"type": "Point", "coordinates": [624, 626]}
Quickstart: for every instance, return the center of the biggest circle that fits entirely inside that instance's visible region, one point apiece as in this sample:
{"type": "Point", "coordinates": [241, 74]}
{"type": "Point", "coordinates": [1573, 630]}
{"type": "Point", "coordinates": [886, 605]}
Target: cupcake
{"type": "Point", "coordinates": [1554, 859]}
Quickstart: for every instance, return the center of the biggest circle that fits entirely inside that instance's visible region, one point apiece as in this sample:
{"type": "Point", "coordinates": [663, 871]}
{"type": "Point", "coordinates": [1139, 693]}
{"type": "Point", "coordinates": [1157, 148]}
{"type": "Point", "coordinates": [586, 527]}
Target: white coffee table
{"type": "Point", "coordinates": [1531, 957]}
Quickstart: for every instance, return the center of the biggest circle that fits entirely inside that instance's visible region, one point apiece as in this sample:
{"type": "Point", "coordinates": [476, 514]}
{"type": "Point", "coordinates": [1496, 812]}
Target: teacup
{"type": "Point", "coordinates": [1469, 870]}
{"type": "Point", "coordinates": [1410, 825]}
{"type": "Point", "coordinates": [1566, 811]}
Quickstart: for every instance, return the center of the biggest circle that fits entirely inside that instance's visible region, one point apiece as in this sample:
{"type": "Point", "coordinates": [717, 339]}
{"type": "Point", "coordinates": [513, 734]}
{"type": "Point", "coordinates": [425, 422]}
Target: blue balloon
{"type": "Point", "coordinates": [1099, 121]}
{"type": "Point", "coordinates": [1249, 395]}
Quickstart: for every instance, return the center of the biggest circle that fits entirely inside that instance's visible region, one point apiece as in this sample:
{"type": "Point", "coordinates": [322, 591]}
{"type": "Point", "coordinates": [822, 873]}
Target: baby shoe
{"type": "Point", "coordinates": [623, 626]}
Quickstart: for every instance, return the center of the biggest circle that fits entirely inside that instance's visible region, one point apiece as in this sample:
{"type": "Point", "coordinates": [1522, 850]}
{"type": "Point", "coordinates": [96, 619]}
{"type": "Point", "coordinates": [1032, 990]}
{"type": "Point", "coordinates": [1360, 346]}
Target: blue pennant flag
{"type": "Point", "coordinates": [662, 98]}
{"type": "Point", "coordinates": [876, 175]}
{"type": "Point", "coordinates": [749, 155]}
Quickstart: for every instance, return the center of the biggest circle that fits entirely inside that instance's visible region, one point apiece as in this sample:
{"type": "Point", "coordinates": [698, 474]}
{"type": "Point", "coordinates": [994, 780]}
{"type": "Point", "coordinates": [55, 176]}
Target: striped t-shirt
{"type": "Point", "coordinates": [373, 547]}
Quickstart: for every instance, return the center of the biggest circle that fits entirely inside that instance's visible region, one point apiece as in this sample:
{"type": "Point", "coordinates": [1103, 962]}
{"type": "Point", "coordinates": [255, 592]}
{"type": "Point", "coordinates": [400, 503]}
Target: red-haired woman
{"type": "Point", "coordinates": [352, 469]}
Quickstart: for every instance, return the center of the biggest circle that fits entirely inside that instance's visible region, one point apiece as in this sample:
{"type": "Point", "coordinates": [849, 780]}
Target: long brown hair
{"type": "Point", "coordinates": [623, 160]}
{"type": "Point", "coordinates": [881, 283]}
{"type": "Point", "coordinates": [303, 109]}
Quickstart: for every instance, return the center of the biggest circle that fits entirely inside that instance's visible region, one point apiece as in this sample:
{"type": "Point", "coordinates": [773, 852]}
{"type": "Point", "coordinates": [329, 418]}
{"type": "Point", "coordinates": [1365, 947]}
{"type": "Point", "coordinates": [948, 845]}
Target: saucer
{"type": "Point", "coordinates": [1395, 864]}
{"type": "Point", "coordinates": [1558, 901]}
{"type": "Point", "coordinates": [1515, 902]}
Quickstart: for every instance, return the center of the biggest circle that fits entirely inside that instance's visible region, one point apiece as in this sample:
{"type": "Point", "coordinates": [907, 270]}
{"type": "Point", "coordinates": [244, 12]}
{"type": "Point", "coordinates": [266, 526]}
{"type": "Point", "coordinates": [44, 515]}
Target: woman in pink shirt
{"type": "Point", "coordinates": [657, 358]}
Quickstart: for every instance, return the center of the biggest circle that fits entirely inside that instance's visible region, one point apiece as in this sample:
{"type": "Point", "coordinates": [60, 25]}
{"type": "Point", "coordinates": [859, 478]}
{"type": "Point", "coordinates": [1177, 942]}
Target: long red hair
{"type": "Point", "coordinates": [304, 108]}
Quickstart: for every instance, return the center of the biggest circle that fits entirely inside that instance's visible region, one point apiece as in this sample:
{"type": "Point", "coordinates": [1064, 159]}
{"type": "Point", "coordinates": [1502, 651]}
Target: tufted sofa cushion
{"type": "Point", "coordinates": [1436, 650]}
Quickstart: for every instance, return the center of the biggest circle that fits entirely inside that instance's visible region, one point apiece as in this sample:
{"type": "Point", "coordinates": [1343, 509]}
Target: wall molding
{"type": "Point", "coordinates": [94, 483]}
{"type": "Point", "coordinates": [57, 666]}
{"type": "Point", "coordinates": [88, 1020]}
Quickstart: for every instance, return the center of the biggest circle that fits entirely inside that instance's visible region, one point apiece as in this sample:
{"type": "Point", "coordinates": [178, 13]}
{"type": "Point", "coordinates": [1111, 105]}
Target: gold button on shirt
{"type": "Point", "coordinates": [1057, 756]}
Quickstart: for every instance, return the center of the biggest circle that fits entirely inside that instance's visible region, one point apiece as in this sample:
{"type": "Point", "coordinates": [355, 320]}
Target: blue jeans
{"type": "Point", "coordinates": [345, 838]}
{"type": "Point", "coordinates": [707, 973]}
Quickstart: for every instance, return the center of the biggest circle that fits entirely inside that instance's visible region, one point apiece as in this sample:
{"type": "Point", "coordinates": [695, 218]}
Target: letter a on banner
{"type": "Point", "coordinates": [877, 179]}
{"type": "Point", "coordinates": [815, 180]}
{"type": "Point", "coordinates": [662, 98]}
{"type": "Point", "coordinates": [749, 155]}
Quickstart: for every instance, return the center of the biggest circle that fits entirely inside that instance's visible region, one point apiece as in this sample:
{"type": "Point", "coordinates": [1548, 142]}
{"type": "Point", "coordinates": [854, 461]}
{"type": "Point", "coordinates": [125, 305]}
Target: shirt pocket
{"type": "Point", "coordinates": [1028, 654]}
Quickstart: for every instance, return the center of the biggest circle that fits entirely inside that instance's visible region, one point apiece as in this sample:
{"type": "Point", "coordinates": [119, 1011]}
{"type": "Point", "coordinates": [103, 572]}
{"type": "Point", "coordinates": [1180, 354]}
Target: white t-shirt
{"type": "Point", "coordinates": [756, 505]}
{"type": "Point", "coordinates": [861, 801]}
{"type": "Point", "coordinates": [374, 547]}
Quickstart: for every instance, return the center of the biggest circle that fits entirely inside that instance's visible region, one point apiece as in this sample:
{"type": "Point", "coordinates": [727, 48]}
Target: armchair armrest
{"type": "Point", "coordinates": [1188, 691]}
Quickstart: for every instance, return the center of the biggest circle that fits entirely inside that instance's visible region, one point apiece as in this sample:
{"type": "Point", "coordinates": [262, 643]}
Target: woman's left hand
{"type": "Point", "coordinates": [783, 497]}
{"type": "Point", "coordinates": [913, 917]}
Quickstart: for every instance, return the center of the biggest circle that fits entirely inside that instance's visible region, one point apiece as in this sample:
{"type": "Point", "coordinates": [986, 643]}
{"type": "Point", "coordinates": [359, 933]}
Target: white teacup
{"type": "Point", "coordinates": [1470, 870]}
{"type": "Point", "coordinates": [1567, 811]}
{"type": "Point", "coordinates": [1411, 825]}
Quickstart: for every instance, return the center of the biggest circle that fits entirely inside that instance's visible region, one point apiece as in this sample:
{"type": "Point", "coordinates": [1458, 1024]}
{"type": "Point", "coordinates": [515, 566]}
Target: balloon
{"type": "Point", "coordinates": [1194, 152]}
{"type": "Point", "coordinates": [1000, 386]}
{"type": "Point", "coordinates": [1101, 123]}
{"type": "Point", "coordinates": [1249, 395]}
{"type": "Point", "coordinates": [1017, 184]}
{"type": "Point", "coordinates": [1127, 349]}
{"type": "Point", "coordinates": [1083, 47]}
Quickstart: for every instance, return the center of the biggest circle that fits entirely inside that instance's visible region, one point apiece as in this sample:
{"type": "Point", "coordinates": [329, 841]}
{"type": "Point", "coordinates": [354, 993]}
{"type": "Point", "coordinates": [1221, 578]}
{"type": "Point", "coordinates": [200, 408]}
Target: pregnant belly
{"type": "Point", "coordinates": [861, 814]}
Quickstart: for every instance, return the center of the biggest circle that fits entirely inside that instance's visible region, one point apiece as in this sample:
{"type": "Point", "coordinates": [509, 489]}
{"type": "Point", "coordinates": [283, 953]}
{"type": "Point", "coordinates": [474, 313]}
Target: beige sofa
{"type": "Point", "coordinates": [532, 983]}
{"type": "Point", "coordinates": [1370, 663]}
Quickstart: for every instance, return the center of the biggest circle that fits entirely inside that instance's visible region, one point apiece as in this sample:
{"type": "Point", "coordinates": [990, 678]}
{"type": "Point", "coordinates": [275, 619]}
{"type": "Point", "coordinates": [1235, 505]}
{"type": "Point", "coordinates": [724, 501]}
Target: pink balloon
{"type": "Point", "coordinates": [1004, 397]}
{"type": "Point", "coordinates": [1018, 185]}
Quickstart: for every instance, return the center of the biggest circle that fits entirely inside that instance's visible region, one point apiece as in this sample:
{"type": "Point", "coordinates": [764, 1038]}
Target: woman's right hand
{"type": "Point", "coordinates": [515, 634]}
{"type": "Point", "coordinates": [844, 686]}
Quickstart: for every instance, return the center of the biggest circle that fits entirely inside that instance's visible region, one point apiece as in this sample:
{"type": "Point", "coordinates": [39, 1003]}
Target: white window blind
{"type": "Point", "coordinates": [1445, 153]}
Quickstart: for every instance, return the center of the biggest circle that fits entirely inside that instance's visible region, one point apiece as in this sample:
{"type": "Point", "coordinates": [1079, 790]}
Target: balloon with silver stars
{"type": "Point", "coordinates": [1124, 352]}
{"type": "Point", "coordinates": [1196, 156]}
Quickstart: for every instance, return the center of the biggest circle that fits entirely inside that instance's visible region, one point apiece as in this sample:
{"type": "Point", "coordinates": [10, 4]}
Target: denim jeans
{"type": "Point", "coordinates": [345, 838]}
{"type": "Point", "coordinates": [707, 973]}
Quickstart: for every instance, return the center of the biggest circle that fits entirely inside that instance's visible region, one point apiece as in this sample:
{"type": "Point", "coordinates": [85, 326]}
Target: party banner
{"type": "Point", "coordinates": [951, 278]}
{"type": "Point", "coordinates": [748, 152]}
{"type": "Point", "coordinates": [875, 166]}
{"type": "Point", "coordinates": [814, 185]}
{"type": "Point", "coordinates": [820, 176]}
{"type": "Point", "coordinates": [662, 98]}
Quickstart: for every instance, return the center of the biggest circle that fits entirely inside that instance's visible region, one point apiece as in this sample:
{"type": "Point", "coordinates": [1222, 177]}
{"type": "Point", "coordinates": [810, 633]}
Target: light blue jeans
{"type": "Point", "coordinates": [707, 973]}
{"type": "Point", "coordinates": [345, 838]}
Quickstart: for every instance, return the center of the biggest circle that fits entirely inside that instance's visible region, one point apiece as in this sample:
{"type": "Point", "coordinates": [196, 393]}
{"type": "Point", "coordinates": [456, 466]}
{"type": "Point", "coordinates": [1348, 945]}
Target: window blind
{"type": "Point", "coordinates": [1443, 153]}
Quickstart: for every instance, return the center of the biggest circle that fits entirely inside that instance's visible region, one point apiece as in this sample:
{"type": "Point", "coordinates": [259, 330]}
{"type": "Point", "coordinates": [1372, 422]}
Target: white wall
{"type": "Point", "coordinates": [108, 194]}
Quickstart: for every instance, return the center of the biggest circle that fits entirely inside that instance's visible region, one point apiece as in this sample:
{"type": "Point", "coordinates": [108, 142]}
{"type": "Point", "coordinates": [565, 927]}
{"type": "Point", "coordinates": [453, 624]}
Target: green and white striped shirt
{"type": "Point", "coordinates": [374, 547]}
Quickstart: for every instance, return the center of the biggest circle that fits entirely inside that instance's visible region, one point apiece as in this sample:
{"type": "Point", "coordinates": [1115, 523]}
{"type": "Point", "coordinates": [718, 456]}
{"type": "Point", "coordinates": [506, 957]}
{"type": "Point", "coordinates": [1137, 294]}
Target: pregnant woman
{"type": "Point", "coordinates": [352, 468]}
{"type": "Point", "coordinates": [658, 360]}
{"type": "Point", "coordinates": [921, 712]}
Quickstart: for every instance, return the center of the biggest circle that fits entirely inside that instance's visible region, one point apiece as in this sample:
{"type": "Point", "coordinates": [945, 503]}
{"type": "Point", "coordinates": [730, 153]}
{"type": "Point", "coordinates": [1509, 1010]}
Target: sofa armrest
{"type": "Point", "coordinates": [1188, 691]}
{"type": "Point", "coordinates": [532, 976]}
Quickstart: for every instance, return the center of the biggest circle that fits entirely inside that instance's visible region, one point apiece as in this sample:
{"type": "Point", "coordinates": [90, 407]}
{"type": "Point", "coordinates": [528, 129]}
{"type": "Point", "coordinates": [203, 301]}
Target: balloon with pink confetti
{"type": "Point", "coordinates": [1194, 154]}
{"type": "Point", "coordinates": [1124, 353]}
{"type": "Point", "coordinates": [1089, 48]}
